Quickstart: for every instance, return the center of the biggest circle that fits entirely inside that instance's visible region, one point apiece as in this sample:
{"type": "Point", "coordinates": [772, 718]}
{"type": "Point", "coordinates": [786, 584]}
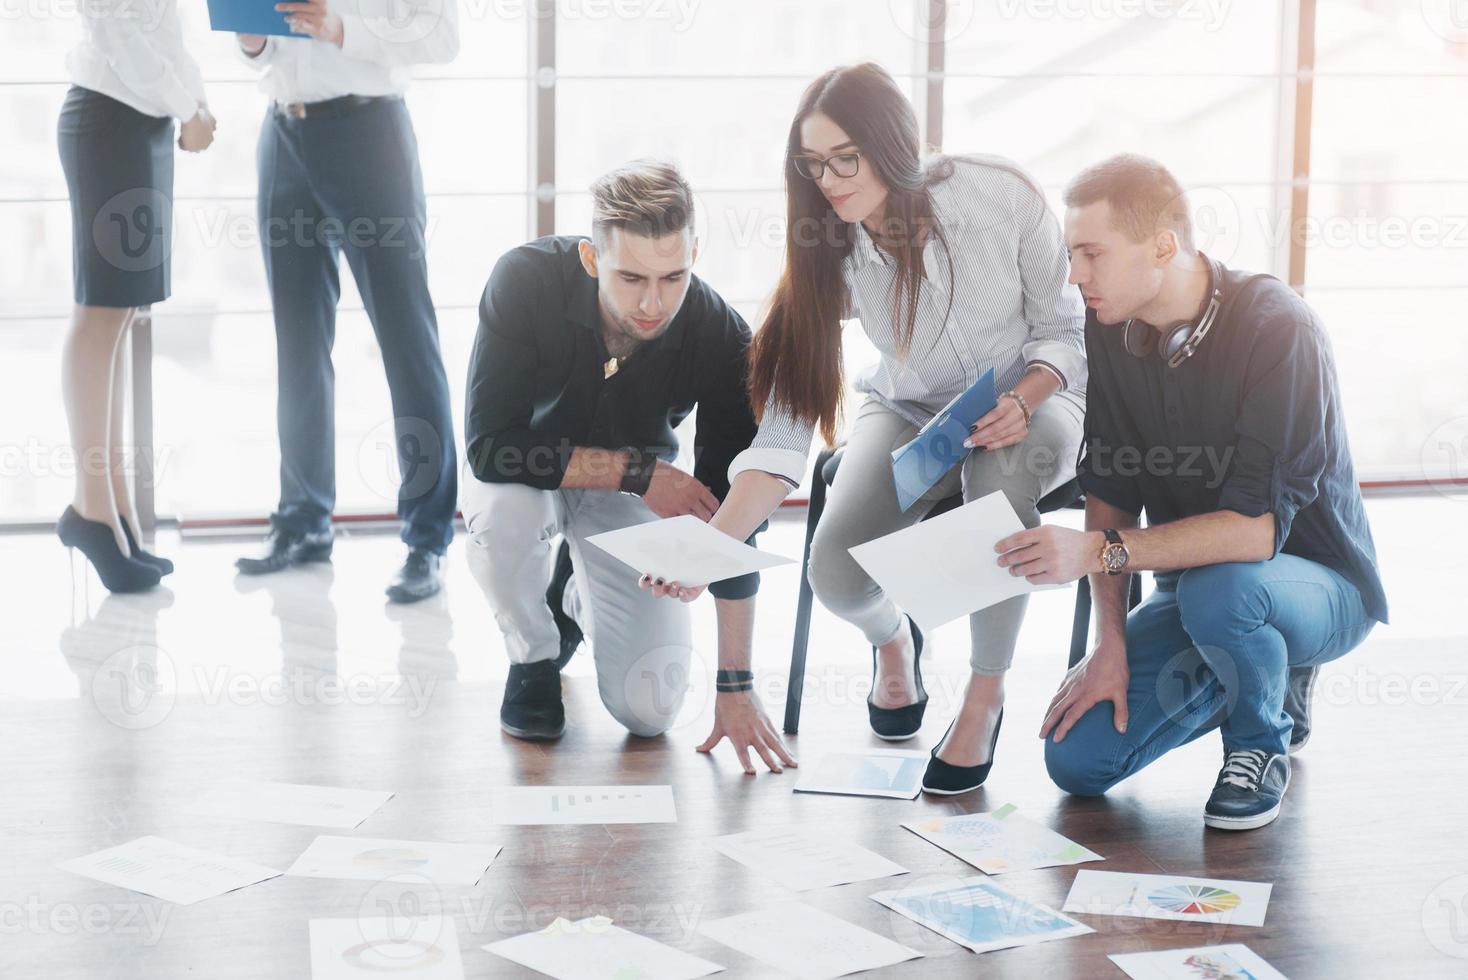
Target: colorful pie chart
{"type": "Point", "coordinates": [1194, 899]}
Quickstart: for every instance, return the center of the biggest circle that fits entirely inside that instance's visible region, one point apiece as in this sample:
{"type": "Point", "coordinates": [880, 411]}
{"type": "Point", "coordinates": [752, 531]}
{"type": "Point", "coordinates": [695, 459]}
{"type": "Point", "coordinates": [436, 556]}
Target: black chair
{"type": "Point", "coordinates": [1067, 495]}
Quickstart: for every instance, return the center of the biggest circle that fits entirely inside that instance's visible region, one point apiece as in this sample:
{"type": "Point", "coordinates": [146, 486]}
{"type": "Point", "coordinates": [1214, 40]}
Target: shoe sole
{"type": "Point", "coordinates": [308, 558]}
{"type": "Point", "coordinates": [529, 736]}
{"type": "Point", "coordinates": [951, 792]}
{"type": "Point", "coordinates": [408, 598]}
{"type": "Point", "coordinates": [895, 738]}
{"type": "Point", "coordinates": [1248, 823]}
{"type": "Point", "coordinates": [1297, 746]}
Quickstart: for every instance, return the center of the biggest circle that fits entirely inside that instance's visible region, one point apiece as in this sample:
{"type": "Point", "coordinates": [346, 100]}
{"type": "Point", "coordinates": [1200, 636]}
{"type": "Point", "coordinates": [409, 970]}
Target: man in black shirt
{"type": "Point", "coordinates": [590, 352]}
{"type": "Point", "coordinates": [1213, 406]}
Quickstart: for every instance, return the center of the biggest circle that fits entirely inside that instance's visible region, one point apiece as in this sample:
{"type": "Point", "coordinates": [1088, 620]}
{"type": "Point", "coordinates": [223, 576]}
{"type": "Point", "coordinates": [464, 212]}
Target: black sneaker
{"type": "Point", "coordinates": [1298, 694]}
{"type": "Point", "coordinates": [1250, 788]}
{"type": "Point", "coordinates": [420, 577]}
{"type": "Point", "coordinates": [555, 596]}
{"type": "Point", "coordinates": [532, 708]}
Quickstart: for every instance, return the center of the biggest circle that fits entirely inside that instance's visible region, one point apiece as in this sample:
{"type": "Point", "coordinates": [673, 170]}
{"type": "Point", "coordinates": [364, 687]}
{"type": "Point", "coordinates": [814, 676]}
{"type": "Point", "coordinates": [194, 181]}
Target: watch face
{"type": "Point", "coordinates": [1114, 557]}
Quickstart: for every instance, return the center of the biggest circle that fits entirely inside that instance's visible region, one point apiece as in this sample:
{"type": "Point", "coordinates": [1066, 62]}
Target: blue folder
{"type": "Point", "coordinates": [934, 451]}
{"type": "Point", "coordinates": [248, 17]}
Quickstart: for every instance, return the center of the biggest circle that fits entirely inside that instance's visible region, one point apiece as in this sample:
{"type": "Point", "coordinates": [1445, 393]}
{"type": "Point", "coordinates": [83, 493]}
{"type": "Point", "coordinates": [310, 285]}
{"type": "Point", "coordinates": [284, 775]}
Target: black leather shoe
{"type": "Point", "coordinates": [118, 572]}
{"type": "Point", "coordinates": [571, 635]}
{"type": "Point", "coordinates": [286, 548]}
{"type": "Point", "coordinates": [164, 566]}
{"type": "Point", "coordinates": [532, 708]}
{"type": "Point", "coordinates": [420, 577]}
{"type": "Point", "coordinates": [946, 779]}
{"type": "Point", "coordinates": [1297, 704]}
{"type": "Point", "coordinates": [899, 724]}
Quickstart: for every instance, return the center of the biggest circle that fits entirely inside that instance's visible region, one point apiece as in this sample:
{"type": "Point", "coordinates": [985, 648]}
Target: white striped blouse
{"type": "Point", "coordinates": [1011, 309]}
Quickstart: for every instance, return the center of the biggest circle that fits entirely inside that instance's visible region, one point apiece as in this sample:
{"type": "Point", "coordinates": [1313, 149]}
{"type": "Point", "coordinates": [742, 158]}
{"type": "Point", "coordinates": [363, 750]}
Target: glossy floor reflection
{"type": "Point", "coordinates": [116, 710]}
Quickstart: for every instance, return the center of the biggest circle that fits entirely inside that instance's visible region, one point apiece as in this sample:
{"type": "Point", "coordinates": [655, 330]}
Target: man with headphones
{"type": "Point", "coordinates": [1213, 406]}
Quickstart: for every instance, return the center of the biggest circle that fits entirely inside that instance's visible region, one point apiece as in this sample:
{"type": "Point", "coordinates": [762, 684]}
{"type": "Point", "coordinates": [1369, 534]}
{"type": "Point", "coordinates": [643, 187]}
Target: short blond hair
{"type": "Point", "coordinates": [1145, 197]}
{"type": "Point", "coordinates": [646, 197]}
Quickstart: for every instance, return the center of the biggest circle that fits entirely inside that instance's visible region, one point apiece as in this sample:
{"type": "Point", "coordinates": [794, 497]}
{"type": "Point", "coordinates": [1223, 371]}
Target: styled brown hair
{"type": "Point", "coordinates": [796, 354]}
{"type": "Point", "coordinates": [1145, 197]}
{"type": "Point", "coordinates": [646, 197]}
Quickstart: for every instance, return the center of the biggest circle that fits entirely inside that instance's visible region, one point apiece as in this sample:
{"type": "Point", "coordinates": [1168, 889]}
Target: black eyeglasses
{"type": "Point", "coordinates": [842, 165]}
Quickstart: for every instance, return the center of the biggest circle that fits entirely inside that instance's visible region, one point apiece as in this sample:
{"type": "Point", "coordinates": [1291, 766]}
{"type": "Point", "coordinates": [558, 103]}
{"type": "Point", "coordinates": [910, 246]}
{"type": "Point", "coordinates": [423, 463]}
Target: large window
{"type": "Point", "coordinates": [1204, 87]}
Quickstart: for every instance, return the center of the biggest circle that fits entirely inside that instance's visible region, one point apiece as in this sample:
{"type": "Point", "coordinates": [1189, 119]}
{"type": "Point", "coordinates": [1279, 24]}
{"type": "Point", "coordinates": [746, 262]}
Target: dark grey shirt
{"type": "Point", "coordinates": [1251, 423]}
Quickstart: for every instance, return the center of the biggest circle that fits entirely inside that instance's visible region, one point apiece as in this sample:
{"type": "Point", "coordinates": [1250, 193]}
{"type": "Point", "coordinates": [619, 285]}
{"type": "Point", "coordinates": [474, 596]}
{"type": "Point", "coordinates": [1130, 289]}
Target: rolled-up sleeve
{"type": "Point", "coordinates": [1052, 306]}
{"type": "Point", "coordinates": [724, 424]}
{"type": "Point", "coordinates": [1279, 457]}
{"type": "Point", "coordinates": [780, 448]}
{"type": "Point", "coordinates": [499, 443]}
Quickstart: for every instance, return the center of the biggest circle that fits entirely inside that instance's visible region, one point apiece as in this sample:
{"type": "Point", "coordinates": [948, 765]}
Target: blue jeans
{"type": "Point", "coordinates": [1210, 648]}
{"type": "Point", "coordinates": [349, 182]}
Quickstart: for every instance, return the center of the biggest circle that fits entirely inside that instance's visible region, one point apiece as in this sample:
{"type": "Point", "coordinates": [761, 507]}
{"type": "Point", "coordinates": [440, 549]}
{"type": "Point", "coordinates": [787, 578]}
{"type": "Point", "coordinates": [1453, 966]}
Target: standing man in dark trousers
{"type": "Point", "coordinates": [339, 173]}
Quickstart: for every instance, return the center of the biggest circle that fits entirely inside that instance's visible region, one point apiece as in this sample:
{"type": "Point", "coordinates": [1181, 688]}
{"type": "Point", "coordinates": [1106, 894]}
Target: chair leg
{"type": "Point", "coordinates": [1134, 591]}
{"type": "Point", "coordinates": [801, 644]}
{"type": "Point", "coordinates": [1080, 627]}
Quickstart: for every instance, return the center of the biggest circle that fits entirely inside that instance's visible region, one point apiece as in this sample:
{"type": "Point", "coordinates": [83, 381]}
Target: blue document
{"type": "Point", "coordinates": [248, 17]}
{"type": "Point", "coordinates": [934, 451]}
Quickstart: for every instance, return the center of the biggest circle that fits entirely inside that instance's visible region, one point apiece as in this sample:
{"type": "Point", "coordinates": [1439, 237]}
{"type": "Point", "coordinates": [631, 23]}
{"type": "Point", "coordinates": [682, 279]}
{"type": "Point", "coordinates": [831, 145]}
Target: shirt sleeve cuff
{"type": "Point", "coordinates": [182, 105]}
{"type": "Point", "coordinates": [1065, 360]}
{"type": "Point", "coordinates": [787, 464]}
{"type": "Point", "coordinates": [1254, 489]}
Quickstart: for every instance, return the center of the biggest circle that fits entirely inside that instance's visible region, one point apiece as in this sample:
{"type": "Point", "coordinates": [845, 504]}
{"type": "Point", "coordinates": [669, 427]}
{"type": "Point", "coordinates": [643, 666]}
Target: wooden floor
{"type": "Point", "coordinates": [1369, 860]}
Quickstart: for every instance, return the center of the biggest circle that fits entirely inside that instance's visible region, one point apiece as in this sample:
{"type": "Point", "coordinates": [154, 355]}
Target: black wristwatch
{"type": "Point", "coordinates": [1114, 556]}
{"type": "Point", "coordinates": [640, 467]}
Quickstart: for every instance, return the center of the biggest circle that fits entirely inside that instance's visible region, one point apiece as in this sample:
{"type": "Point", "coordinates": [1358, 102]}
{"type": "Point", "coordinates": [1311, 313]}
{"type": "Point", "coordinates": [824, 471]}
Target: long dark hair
{"type": "Point", "coordinates": [796, 355]}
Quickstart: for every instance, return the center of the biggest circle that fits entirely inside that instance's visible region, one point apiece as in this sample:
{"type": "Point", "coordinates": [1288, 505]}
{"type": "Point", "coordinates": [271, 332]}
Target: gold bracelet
{"type": "Point", "coordinates": [1019, 400]}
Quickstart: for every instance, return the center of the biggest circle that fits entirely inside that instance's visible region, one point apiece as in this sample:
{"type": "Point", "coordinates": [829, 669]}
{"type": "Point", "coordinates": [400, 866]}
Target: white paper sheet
{"type": "Point", "coordinates": [594, 949]}
{"type": "Point", "coordinates": [582, 804]}
{"type": "Point", "coordinates": [169, 871]}
{"type": "Point", "coordinates": [806, 942]}
{"type": "Point", "coordinates": [426, 948]}
{"type": "Point", "coordinates": [944, 568]}
{"type": "Point", "coordinates": [314, 806]}
{"type": "Point", "coordinates": [1234, 903]}
{"type": "Point", "coordinates": [801, 860]}
{"type": "Point", "coordinates": [374, 858]}
{"type": "Point", "coordinates": [1234, 961]}
{"type": "Point", "coordinates": [893, 773]}
{"type": "Point", "coordinates": [1001, 840]}
{"type": "Point", "coordinates": [979, 914]}
{"type": "Point", "coordinates": [683, 549]}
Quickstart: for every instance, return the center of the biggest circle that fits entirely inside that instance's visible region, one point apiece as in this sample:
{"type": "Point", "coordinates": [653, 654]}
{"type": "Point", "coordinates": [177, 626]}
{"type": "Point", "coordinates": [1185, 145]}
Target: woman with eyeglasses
{"type": "Point", "coordinates": [953, 265]}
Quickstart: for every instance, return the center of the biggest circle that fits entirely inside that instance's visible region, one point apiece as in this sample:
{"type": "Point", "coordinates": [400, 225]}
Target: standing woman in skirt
{"type": "Point", "coordinates": [131, 78]}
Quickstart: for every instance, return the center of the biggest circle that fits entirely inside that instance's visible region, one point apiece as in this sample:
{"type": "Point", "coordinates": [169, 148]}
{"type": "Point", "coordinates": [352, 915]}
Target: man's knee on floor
{"type": "Point", "coordinates": [646, 701]}
{"type": "Point", "coordinates": [504, 517]}
{"type": "Point", "coordinates": [1077, 768]}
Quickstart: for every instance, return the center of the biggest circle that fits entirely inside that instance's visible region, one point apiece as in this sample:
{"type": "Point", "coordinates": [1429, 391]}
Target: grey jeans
{"type": "Point", "coordinates": [642, 646]}
{"type": "Point", "coordinates": [863, 506]}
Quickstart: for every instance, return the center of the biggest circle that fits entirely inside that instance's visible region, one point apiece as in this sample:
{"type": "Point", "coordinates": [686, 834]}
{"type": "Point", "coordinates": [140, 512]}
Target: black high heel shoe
{"type": "Point", "coordinates": [96, 540]}
{"type": "Point", "coordinates": [164, 566]}
{"type": "Point", "coordinates": [946, 779]}
{"type": "Point", "coordinates": [899, 724]}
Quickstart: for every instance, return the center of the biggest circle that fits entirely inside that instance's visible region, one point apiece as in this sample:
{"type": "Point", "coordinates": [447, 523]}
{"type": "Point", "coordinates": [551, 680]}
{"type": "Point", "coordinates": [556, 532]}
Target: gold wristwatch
{"type": "Point", "coordinates": [1114, 556]}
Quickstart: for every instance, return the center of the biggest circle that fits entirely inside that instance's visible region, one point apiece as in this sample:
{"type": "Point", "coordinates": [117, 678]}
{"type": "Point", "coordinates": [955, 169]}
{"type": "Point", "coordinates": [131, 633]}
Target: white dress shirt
{"type": "Point", "coordinates": [135, 54]}
{"type": "Point", "coordinates": [381, 39]}
{"type": "Point", "coordinates": [1011, 309]}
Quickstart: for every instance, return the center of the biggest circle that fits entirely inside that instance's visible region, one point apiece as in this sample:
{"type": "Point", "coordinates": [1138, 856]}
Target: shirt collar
{"type": "Point", "coordinates": [865, 251]}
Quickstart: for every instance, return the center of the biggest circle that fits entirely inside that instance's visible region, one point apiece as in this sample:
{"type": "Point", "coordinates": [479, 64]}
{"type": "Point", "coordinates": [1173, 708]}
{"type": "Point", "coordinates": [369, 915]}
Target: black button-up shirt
{"type": "Point", "coordinates": [1251, 423]}
{"type": "Point", "coordinates": [537, 388]}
